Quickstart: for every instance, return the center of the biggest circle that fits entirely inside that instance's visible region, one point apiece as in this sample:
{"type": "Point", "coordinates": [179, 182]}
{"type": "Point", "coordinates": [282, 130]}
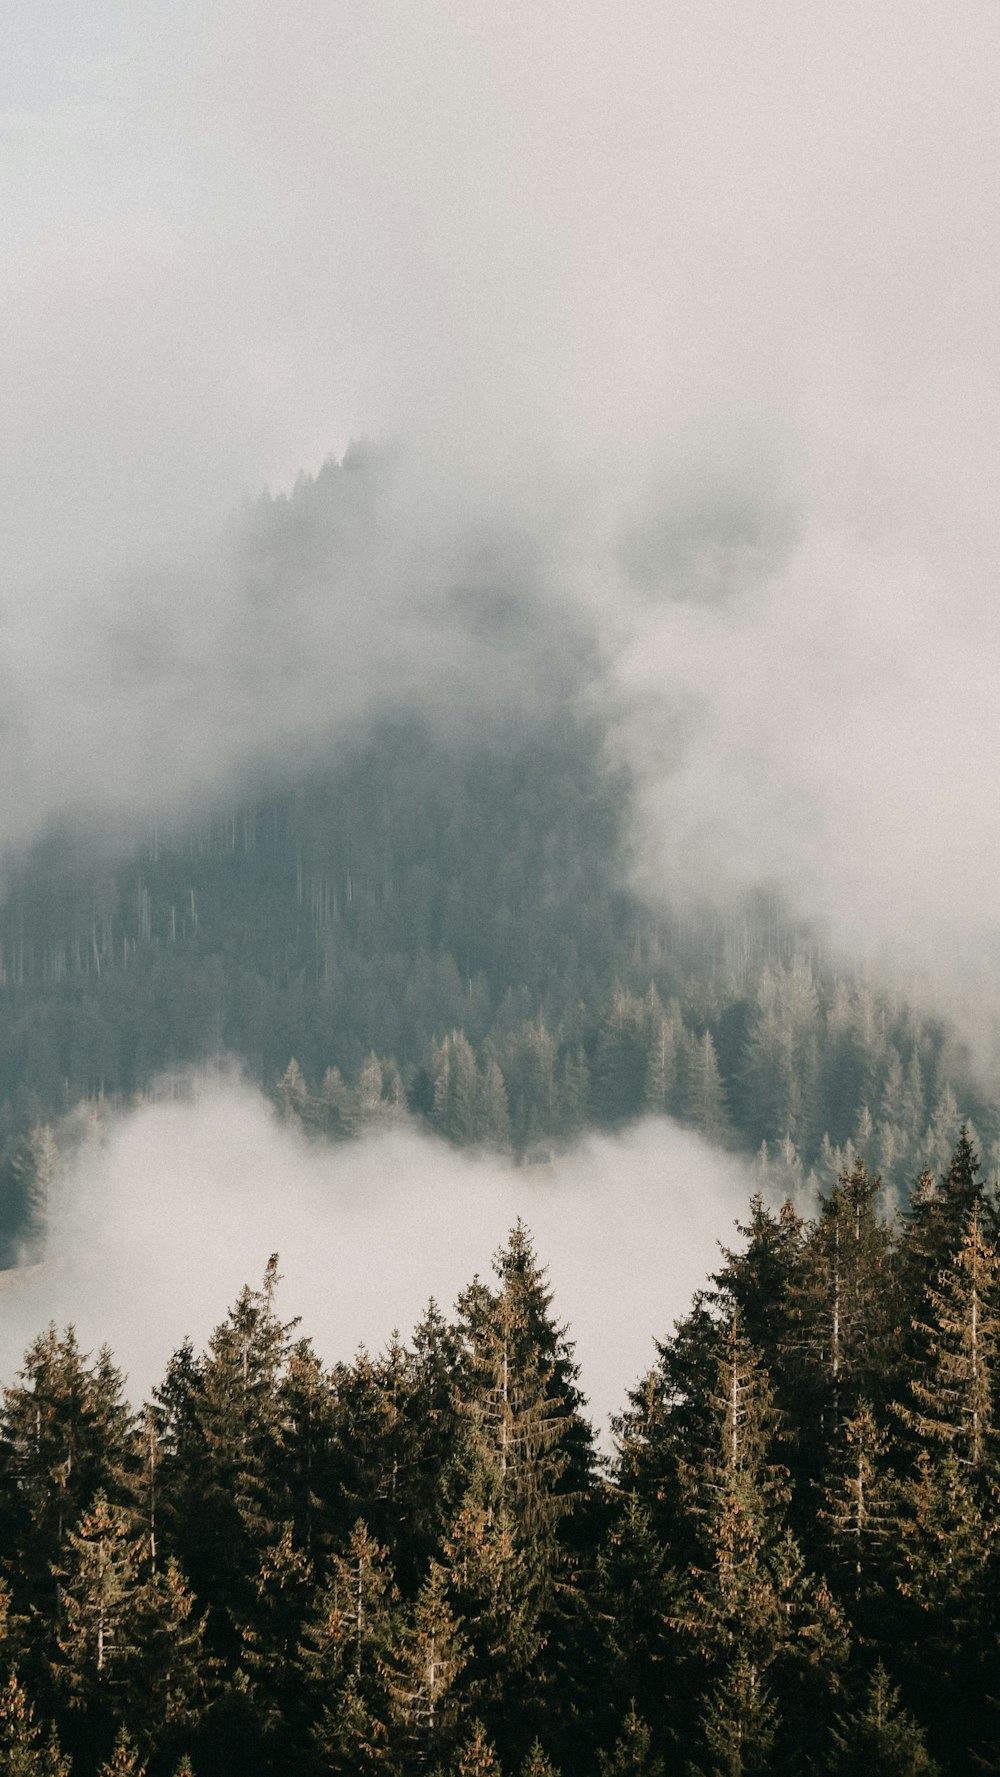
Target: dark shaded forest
{"type": "Point", "coordinates": [415, 1561]}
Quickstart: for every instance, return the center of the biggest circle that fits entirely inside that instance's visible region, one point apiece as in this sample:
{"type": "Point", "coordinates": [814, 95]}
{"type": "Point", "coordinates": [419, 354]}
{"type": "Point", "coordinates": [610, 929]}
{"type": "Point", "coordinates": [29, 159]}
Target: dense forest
{"type": "Point", "coordinates": [415, 1561]}
{"type": "Point", "coordinates": [436, 928]}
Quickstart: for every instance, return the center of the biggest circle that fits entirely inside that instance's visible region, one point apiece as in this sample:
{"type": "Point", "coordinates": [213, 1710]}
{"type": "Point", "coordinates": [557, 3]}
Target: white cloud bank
{"type": "Point", "coordinates": [158, 1224]}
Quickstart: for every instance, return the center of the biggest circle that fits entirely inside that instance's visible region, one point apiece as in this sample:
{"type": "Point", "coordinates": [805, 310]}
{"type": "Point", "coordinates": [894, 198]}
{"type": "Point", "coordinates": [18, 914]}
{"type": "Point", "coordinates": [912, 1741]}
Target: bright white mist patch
{"type": "Point", "coordinates": [160, 1222]}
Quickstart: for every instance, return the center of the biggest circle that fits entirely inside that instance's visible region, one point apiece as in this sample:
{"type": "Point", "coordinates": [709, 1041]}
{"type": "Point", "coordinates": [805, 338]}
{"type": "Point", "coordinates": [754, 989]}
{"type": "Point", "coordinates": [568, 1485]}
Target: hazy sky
{"type": "Point", "coordinates": [701, 296]}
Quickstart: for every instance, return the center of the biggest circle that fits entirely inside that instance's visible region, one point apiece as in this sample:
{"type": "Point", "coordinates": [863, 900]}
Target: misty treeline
{"type": "Point", "coordinates": [415, 1561]}
{"type": "Point", "coordinates": [437, 928]}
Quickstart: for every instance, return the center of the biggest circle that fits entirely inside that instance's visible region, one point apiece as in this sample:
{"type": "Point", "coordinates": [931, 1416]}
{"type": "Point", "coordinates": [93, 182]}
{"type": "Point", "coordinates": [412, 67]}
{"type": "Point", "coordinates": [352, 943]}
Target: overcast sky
{"type": "Point", "coordinates": [704, 293]}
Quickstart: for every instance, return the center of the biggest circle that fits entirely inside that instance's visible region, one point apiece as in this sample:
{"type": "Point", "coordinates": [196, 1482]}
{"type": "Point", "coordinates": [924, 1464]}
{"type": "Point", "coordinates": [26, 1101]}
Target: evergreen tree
{"type": "Point", "coordinates": [536, 1764]}
{"type": "Point", "coordinates": [842, 1310]}
{"type": "Point", "coordinates": [880, 1736]}
{"type": "Point", "coordinates": [954, 1389]}
{"type": "Point", "coordinates": [704, 1093]}
{"type": "Point", "coordinates": [24, 1752]}
{"type": "Point", "coordinates": [632, 1754]}
{"type": "Point", "coordinates": [739, 1724]}
{"type": "Point", "coordinates": [65, 1435]}
{"type": "Point", "coordinates": [344, 1649]}
{"type": "Point", "coordinates": [421, 1673]}
{"type": "Point", "coordinates": [98, 1594]}
{"type": "Point", "coordinates": [859, 1510]}
{"type": "Point", "coordinates": [226, 1477]}
{"type": "Point", "coordinates": [457, 1092]}
{"type": "Point", "coordinates": [124, 1760]}
{"type": "Point", "coordinates": [524, 1437]}
{"type": "Point", "coordinates": [477, 1757]}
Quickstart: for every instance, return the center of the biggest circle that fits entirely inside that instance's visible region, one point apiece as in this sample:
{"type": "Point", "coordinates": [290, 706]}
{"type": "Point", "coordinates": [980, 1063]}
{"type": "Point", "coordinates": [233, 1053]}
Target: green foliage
{"type": "Point", "coordinates": [414, 1561]}
{"type": "Point", "coordinates": [878, 1736]}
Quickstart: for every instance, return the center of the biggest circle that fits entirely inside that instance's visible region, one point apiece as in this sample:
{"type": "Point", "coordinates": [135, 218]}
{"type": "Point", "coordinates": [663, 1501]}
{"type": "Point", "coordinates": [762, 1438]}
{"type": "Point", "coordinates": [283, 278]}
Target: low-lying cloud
{"type": "Point", "coordinates": [170, 1208]}
{"type": "Point", "coordinates": [687, 318]}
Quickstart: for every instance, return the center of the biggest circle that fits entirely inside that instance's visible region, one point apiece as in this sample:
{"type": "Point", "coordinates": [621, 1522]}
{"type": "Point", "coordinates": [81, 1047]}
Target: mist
{"type": "Point", "coordinates": [169, 1209]}
{"type": "Point", "coordinates": [682, 323]}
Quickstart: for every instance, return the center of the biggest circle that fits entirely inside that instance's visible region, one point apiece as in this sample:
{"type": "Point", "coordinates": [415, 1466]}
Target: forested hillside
{"type": "Point", "coordinates": [414, 1562]}
{"type": "Point", "coordinates": [440, 928]}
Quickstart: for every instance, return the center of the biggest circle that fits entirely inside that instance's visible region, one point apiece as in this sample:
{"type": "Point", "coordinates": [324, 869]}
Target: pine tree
{"type": "Point", "coordinates": [171, 1677]}
{"type": "Point", "coordinates": [704, 1092]}
{"type": "Point", "coordinates": [421, 1672]}
{"type": "Point", "coordinates": [98, 1592]}
{"type": "Point", "coordinates": [748, 1606]}
{"type": "Point", "coordinates": [620, 1063]}
{"type": "Point", "coordinates": [293, 1093]}
{"type": "Point", "coordinates": [936, 1220]}
{"type": "Point", "coordinates": [477, 1757]}
{"type": "Point", "coordinates": [536, 1764]}
{"type": "Point", "coordinates": [843, 1317]}
{"type": "Point", "coordinates": [954, 1389]}
{"type": "Point", "coordinates": [224, 1482]}
{"type": "Point", "coordinates": [492, 1111]}
{"type": "Point", "coordinates": [632, 1754]}
{"type": "Point", "coordinates": [879, 1737]}
{"type": "Point", "coordinates": [739, 1724]}
{"type": "Point", "coordinates": [523, 1434]}
{"type": "Point", "coordinates": [124, 1761]}
{"type": "Point", "coordinates": [36, 1167]}
{"type": "Point", "coordinates": [65, 1435]}
{"type": "Point", "coordinates": [945, 1561]}
{"type": "Point", "coordinates": [345, 1646]}
{"type": "Point", "coordinates": [490, 1587]}
{"type": "Point", "coordinates": [755, 1281]}
{"type": "Point", "coordinates": [859, 1512]}
{"type": "Point", "coordinates": [660, 1093]}
{"type": "Point", "coordinates": [23, 1752]}
{"type": "Point", "coordinates": [457, 1093]}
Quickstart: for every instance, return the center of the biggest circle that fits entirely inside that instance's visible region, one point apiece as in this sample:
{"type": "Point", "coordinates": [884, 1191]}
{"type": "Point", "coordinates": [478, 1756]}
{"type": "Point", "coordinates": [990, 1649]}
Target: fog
{"type": "Point", "coordinates": [169, 1209]}
{"type": "Point", "coordinates": [683, 318]}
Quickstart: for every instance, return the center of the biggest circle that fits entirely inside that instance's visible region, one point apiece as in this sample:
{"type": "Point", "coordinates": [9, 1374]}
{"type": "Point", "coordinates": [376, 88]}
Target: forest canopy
{"type": "Point", "coordinates": [418, 1560]}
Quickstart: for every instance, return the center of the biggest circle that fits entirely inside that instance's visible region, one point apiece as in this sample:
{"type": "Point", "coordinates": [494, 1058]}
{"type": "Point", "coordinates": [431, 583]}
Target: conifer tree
{"type": "Point", "coordinates": [421, 1672]}
{"type": "Point", "coordinates": [124, 1760]}
{"type": "Point", "coordinates": [704, 1093]}
{"type": "Point", "coordinates": [457, 1094]}
{"type": "Point", "coordinates": [859, 1508]}
{"type": "Point", "coordinates": [344, 1648]}
{"type": "Point", "coordinates": [953, 1390]}
{"type": "Point", "coordinates": [748, 1606]}
{"type": "Point", "coordinates": [65, 1435]}
{"type": "Point", "coordinates": [739, 1723]}
{"type": "Point", "coordinates": [945, 1561]}
{"type": "Point", "coordinates": [632, 1754]}
{"type": "Point", "coordinates": [755, 1281]}
{"type": "Point", "coordinates": [536, 1764]}
{"type": "Point", "coordinates": [490, 1588]}
{"type": "Point", "coordinates": [226, 1479]}
{"type": "Point", "coordinates": [99, 1584]}
{"type": "Point", "coordinates": [308, 1423]}
{"type": "Point", "coordinates": [879, 1736]}
{"type": "Point", "coordinates": [936, 1218]}
{"type": "Point", "coordinates": [630, 1598]}
{"type": "Point", "coordinates": [24, 1751]}
{"type": "Point", "coordinates": [620, 1063]}
{"type": "Point", "coordinates": [477, 1757]}
{"type": "Point", "coordinates": [523, 1437]}
{"type": "Point", "coordinates": [172, 1676]}
{"type": "Point", "coordinates": [492, 1116]}
{"type": "Point", "coordinates": [843, 1318]}
{"type": "Point", "coordinates": [662, 1033]}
